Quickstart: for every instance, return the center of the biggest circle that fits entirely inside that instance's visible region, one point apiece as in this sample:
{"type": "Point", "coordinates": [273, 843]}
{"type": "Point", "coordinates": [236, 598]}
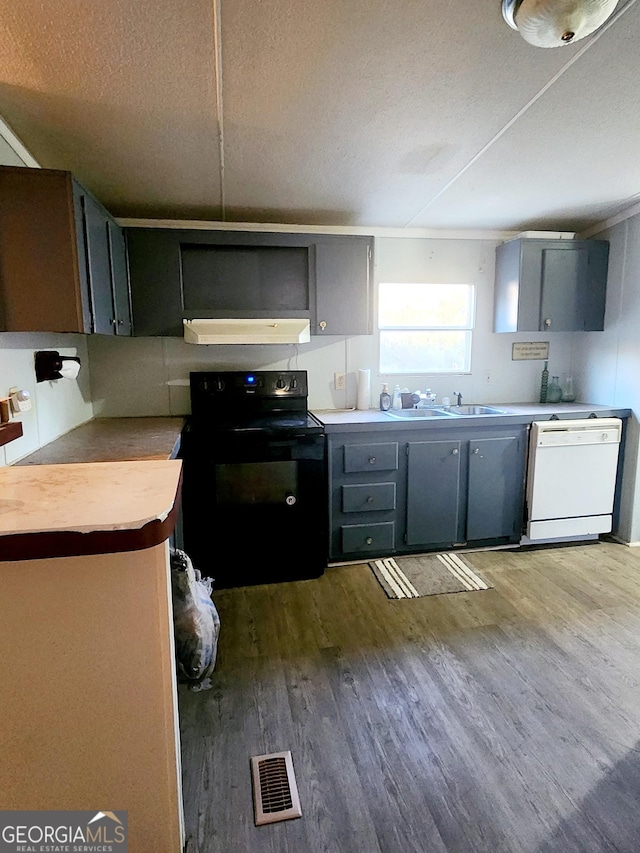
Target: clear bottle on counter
{"type": "Point", "coordinates": [568, 394]}
{"type": "Point", "coordinates": [385, 398]}
{"type": "Point", "coordinates": [396, 402]}
{"type": "Point", "coordinates": [554, 391]}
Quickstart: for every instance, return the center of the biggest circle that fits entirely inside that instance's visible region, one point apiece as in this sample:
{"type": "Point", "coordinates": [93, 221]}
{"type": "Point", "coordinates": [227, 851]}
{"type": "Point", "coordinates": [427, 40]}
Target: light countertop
{"type": "Point", "coordinates": [513, 413]}
{"type": "Point", "coordinates": [86, 497]}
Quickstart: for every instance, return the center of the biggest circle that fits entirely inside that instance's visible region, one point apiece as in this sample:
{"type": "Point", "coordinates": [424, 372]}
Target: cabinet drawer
{"type": "Point", "coordinates": [370, 457]}
{"type": "Point", "coordinates": [369, 498]}
{"type": "Point", "coordinates": [367, 537]}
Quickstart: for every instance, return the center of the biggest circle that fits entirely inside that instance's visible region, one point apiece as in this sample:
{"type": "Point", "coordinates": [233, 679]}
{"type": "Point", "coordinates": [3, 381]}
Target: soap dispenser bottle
{"type": "Point", "coordinates": [385, 398]}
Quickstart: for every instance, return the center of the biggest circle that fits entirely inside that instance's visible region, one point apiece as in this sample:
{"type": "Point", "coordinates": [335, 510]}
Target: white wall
{"type": "Point", "coordinates": [149, 376]}
{"type": "Point", "coordinates": [57, 406]}
{"type": "Point", "coordinates": [608, 363]}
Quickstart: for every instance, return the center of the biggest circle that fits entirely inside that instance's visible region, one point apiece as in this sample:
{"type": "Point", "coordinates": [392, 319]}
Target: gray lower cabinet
{"type": "Point", "coordinates": [433, 492]}
{"type": "Point", "coordinates": [364, 473]}
{"type": "Point", "coordinates": [181, 274]}
{"type": "Point", "coordinates": [465, 491]}
{"type": "Point", "coordinates": [420, 490]}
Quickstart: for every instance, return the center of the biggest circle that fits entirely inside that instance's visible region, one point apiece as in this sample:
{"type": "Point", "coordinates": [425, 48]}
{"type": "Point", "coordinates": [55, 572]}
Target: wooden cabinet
{"type": "Point", "coordinates": [62, 257]}
{"type": "Point", "coordinates": [418, 490]}
{"type": "Point", "coordinates": [550, 285]}
{"type": "Point", "coordinates": [181, 274]}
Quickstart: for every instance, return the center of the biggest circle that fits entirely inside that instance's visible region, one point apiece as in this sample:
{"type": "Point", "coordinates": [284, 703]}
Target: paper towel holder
{"type": "Point", "coordinates": [49, 363]}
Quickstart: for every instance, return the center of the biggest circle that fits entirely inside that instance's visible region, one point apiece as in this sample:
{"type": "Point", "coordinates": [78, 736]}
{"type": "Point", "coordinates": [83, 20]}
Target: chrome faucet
{"type": "Point", "coordinates": [459, 396]}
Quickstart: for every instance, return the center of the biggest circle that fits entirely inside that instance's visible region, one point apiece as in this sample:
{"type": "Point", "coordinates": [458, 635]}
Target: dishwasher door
{"type": "Point", "coordinates": [571, 478]}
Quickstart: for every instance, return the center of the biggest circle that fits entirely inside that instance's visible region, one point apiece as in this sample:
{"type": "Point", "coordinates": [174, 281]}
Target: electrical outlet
{"type": "Point", "coordinates": [339, 381]}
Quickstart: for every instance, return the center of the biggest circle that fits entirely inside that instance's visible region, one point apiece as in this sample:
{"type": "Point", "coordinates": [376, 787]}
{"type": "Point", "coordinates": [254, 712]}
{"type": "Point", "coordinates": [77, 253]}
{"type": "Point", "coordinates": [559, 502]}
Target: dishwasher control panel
{"type": "Point", "coordinates": [577, 432]}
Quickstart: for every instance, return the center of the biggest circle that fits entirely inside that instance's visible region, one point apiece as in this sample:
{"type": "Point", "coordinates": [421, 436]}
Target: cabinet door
{"type": "Point", "coordinates": [156, 281]}
{"type": "Point", "coordinates": [119, 278]}
{"type": "Point", "coordinates": [343, 284]}
{"type": "Point", "coordinates": [81, 243]}
{"type": "Point", "coordinates": [98, 267]}
{"type": "Point", "coordinates": [563, 274]}
{"type": "Point", "coordinates": [550, 285]}
{"type": "Point", "coordinates": [433, 492]}
{"type": "Point", "coordinates": [496, 484]}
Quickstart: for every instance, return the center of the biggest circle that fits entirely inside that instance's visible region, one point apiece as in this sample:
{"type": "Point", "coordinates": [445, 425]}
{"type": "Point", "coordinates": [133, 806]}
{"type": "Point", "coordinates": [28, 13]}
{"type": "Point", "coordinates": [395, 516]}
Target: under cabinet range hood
{"type": "Point", "coordinates": [286, 330]}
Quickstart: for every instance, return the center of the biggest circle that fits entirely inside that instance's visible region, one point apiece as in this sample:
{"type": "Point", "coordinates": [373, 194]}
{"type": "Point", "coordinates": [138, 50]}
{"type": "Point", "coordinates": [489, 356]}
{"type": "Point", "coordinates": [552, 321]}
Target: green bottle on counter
{"type": "Point", "coordinates": [544, 383]}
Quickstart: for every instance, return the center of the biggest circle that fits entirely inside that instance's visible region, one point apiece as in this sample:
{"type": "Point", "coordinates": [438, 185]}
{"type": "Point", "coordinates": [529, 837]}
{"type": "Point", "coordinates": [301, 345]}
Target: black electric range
{"type": "Point", "coordinates": [255, 500]}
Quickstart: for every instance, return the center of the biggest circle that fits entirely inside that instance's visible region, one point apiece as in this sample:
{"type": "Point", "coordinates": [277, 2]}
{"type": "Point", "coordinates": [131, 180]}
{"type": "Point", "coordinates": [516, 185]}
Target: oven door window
{"type": "Point", "coordinates": [257, 483]}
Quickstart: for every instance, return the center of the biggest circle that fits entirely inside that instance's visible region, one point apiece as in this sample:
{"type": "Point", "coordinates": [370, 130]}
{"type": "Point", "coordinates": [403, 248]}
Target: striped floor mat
{"type": "Point", "coordinates": [427, 574]}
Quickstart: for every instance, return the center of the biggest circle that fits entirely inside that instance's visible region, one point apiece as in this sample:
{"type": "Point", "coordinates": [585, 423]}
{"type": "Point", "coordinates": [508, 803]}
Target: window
{"type": "Point", "coordinates": [425, 328]}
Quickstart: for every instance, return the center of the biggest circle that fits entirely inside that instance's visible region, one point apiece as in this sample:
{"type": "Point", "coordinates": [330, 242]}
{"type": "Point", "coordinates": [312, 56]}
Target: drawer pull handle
{"type": "Point", "coordinates": [455, 451]}
{"type": "Point", "coordinates": [372, 459]}
{"type": "Point", "coordinates": [370, 499]}
{"type": "Point", "coordinates": [369, 540]}
{"type": "Point", "coordinates": [477, 450]}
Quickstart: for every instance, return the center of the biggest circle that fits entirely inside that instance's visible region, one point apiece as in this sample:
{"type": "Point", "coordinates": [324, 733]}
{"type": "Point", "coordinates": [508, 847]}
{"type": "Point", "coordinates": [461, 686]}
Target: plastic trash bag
{"type": "Point", "coordinates": [196, 622]}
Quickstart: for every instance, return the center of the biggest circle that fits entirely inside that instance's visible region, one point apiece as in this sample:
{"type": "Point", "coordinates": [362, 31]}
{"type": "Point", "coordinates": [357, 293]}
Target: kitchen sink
{"type": "Point", "coordinates": [475, 410]}
{"type": "Point", "coordinates": [417, 414]}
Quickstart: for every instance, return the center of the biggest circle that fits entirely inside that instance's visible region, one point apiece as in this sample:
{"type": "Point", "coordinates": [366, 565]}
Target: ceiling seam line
{"type": "Point", "coordinates": [522, 110]}
{"type": "Point", "coordinates": [217, 49]}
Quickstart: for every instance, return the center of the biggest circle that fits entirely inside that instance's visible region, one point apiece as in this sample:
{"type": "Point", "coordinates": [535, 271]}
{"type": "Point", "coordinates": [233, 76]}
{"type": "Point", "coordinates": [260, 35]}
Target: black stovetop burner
{"type": "Point", "coordinates": [276, 424]}
{"type": "Point", "coordinates": [268, 401]}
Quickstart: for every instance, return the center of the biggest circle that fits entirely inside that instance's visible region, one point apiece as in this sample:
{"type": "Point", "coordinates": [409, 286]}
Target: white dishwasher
{"type": "Point", "coordinates": [571, 477]}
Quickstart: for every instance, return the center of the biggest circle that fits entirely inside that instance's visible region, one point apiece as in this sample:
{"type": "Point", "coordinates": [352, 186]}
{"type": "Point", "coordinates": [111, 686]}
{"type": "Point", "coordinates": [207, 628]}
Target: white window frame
{"type": "Point", "coordinates": [430, 328]}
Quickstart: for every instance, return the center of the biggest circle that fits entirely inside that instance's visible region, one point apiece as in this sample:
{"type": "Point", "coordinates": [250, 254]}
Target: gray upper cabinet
{"type": "Point", "coordinates": [98, 265]}
{"type": "Point", "coordinates": [551, 285]}
{"type": "Point", "coordinates": [343, 286]}
{"type": "Point", "coordinates": [60, 259]}
{"type": "Point", "coordinates": [181, 274]}
{"type": "Point", "coordinates": [119, 279]}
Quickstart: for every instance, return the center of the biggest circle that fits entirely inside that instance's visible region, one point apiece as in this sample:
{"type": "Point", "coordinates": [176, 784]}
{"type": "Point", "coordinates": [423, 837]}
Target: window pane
{"type": "Point", "coordinates": [412, 305]}
{"type": "Point", "coordinates": [425, 352]}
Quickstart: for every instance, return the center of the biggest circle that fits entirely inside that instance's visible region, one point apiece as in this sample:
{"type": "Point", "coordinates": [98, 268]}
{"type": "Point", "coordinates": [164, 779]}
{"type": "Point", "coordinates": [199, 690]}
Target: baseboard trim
{"type": "Point", "coordinates": [621, 541]}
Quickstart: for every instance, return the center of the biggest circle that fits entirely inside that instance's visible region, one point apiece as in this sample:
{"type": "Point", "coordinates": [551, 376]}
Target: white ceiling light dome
{"type": "Point", "coordinates": [554, 23]}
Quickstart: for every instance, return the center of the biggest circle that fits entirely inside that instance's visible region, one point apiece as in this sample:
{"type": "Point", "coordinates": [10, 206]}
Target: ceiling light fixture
{"type": "Point", "coordinates": [554, 23]}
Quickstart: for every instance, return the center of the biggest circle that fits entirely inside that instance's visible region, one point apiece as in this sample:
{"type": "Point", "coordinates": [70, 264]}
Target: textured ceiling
{"type": "Point", "coordinates": [417, 113]}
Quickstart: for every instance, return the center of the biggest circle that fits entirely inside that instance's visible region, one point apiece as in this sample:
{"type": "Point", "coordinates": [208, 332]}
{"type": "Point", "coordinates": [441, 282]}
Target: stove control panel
{"type": "Point", "coordinates": [236, 385]}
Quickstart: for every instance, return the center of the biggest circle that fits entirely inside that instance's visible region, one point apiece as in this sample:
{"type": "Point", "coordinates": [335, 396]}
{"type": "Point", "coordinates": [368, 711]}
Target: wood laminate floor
{"type": "Point", "coordinates": [503, 720]}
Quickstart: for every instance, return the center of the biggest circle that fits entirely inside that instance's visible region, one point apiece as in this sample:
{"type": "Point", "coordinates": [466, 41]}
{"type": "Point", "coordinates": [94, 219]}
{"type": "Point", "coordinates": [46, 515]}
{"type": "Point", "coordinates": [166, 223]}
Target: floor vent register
{"type": "Point", "coordinates": [275, 793]}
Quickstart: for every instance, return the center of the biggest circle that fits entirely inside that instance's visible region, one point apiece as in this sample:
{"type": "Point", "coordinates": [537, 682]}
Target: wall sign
{"type": "Point", "coordinates": [530, 351]}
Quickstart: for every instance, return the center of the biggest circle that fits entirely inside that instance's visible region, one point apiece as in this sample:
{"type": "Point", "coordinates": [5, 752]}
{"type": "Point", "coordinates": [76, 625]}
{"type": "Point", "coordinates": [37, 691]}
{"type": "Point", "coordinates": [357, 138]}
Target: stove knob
{"type": "Point", "coordinates": [281, 383]}
{"type": "Point", "coordinates": [294, 382]}
{"type": "Point", "coordinates": [218, 384]}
